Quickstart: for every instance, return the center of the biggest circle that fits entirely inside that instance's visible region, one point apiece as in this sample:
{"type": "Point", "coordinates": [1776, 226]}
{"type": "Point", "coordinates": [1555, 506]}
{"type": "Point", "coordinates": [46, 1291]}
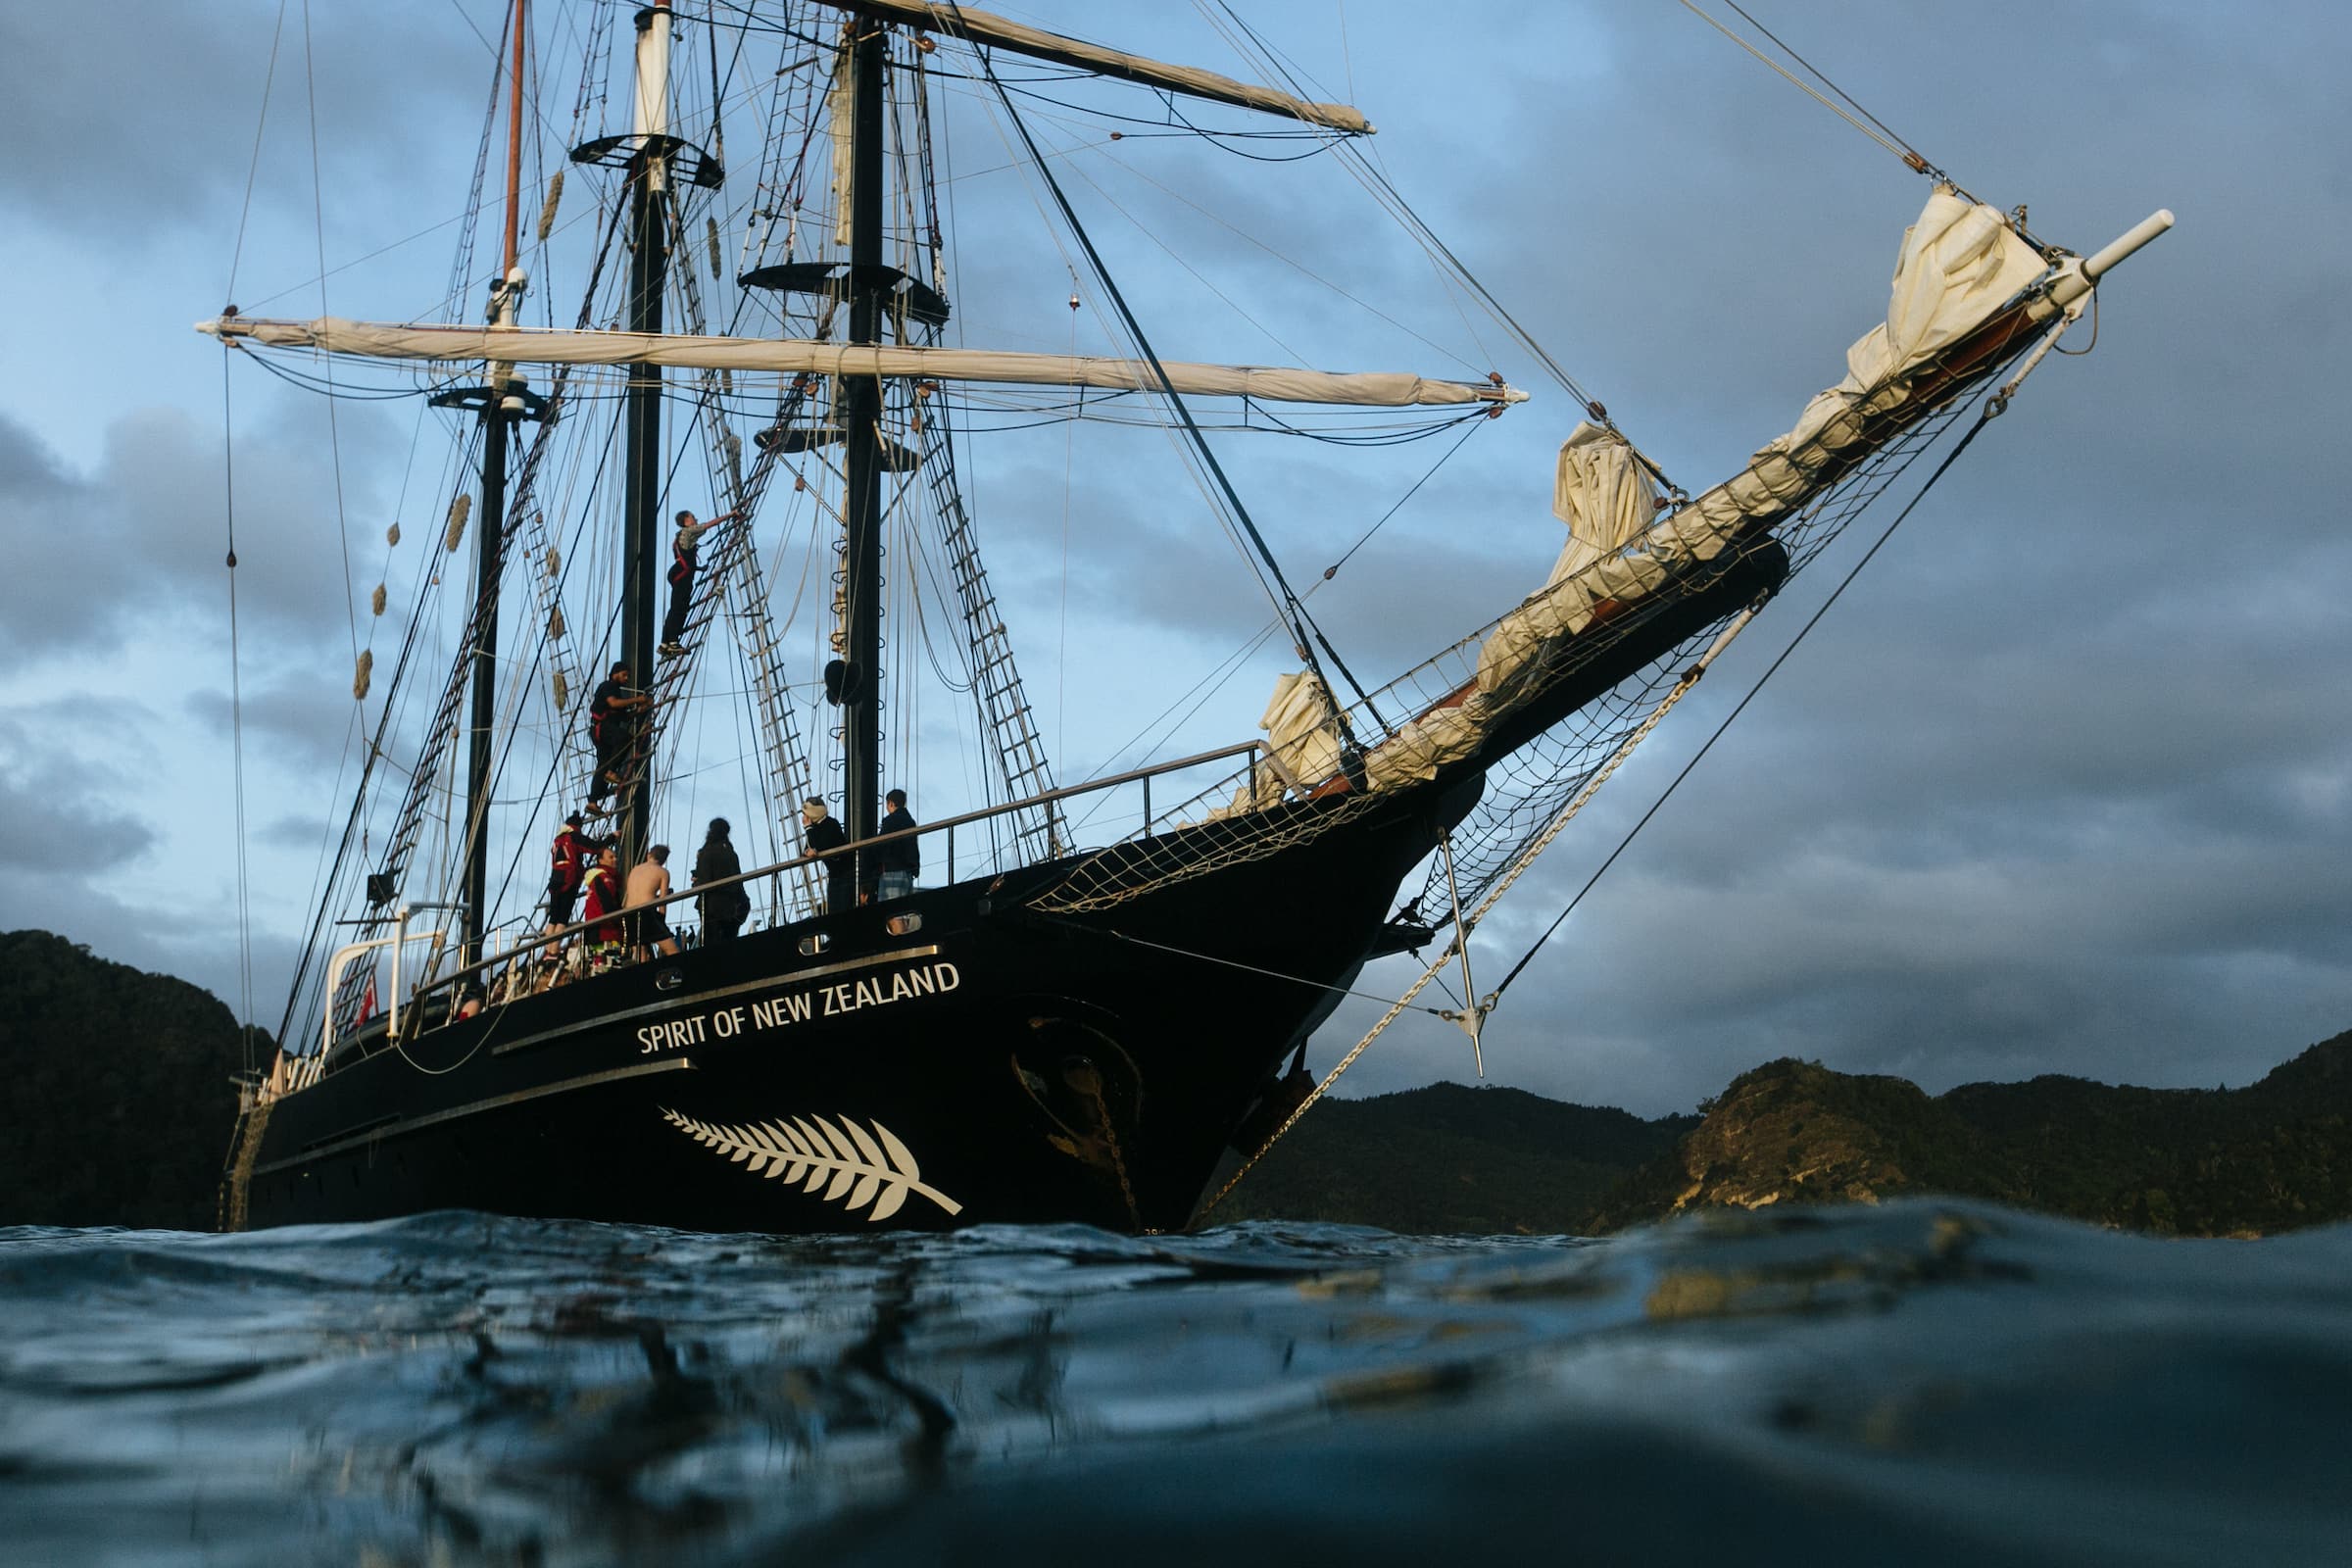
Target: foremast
{"type": "Point", "coordinates": [502, 402]}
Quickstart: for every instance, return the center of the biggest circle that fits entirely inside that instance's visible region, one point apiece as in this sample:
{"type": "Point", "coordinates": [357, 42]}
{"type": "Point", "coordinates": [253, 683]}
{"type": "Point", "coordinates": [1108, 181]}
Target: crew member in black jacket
{"type": "Point", "coordinates": [724, 909]}
{"type": "Point", "coordinates": [822, 832]}
{"type": "Point", "coordinates": [900, 859]}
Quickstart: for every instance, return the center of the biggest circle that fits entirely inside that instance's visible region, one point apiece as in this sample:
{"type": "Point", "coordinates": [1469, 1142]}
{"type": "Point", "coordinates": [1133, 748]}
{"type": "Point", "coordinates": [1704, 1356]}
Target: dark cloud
{"type": "Point", "coordinates": [298, 833]}
{"type": "Point", "coordinates": [85, 854]}
{"type": "Point", "coordinates": [103, 111]}
{"type": "Point", "coordinates": [30, 473]}
{"type": "Point", "coordinates": [306, 723]}
{"type": "Point", "coordinates": [140, 542]}
{"type": "Point", "coordinates": [48, 799]}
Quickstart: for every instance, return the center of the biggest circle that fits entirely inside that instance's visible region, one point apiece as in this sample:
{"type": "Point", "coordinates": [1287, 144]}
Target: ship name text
{"type": "Point", "coordinates": [795, 1005]}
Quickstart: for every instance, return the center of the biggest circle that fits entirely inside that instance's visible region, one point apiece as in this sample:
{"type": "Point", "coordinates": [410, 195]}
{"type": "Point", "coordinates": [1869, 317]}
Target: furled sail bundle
{"type": "Point", "coordinates": [676, 351]}
{"type": "Point", "coordinates": [1603, 493]}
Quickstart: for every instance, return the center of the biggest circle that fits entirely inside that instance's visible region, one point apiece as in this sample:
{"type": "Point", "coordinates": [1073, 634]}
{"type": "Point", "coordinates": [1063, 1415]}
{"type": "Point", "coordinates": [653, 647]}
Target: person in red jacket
{"type": "Point", "coordinates": [569, 858]}
{"type": "Point", "coordinates": [603, 886]}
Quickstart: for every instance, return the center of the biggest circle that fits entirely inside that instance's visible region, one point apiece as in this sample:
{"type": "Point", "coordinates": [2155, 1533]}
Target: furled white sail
{"type": "Point", "coordinates": [1270, 383]}
{"type": "Point", "coordinates": [1303, 746]}
{"type": "Point", "coordinates": [1000, 33]}
{"type": "Point", "coordinates": [1603, 494]}
{"type": "Point", "coordinates": [1302, 736]}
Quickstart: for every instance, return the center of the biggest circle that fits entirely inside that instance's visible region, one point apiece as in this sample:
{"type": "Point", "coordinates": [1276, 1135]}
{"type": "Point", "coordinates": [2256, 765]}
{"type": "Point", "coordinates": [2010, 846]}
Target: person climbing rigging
{"type": "Point", "coordinates": [682, 549]}
{"type": "Point", "coordinates": [614, 722]}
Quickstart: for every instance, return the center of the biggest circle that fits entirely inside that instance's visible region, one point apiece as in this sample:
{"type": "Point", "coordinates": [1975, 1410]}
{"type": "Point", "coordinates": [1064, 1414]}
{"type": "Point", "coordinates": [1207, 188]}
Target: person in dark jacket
{"type": "Point", "coordinates": [821, 832]}
{"type": "Point", "coordinates": [900, 859]}
{"type": "Point", "coordinates": [724, 909]}
{"type": "Point", "coordinates": [616, 718]}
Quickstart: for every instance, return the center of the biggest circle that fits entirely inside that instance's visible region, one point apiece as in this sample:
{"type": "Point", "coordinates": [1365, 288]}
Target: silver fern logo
{"type": "Point", "coordinates": [863, 1168]}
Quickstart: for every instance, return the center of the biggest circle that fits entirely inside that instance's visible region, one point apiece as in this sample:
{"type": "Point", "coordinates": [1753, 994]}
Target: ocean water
{"type": "Point", "coordinates": [1920, 1383]}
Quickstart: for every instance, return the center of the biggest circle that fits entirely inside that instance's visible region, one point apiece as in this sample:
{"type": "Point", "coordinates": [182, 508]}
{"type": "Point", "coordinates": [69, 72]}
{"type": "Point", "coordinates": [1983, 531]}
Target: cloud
{"type": "Point", "coordinates": [30, 473]}
{"type": "Point", "coordinates": [143, 535]}
{"type": "Point", "coordinates": [100, 109]}
{"type": "Point", "coordinates": [304, 722]}
{"type": "Point", "coordinates": [48, 798]}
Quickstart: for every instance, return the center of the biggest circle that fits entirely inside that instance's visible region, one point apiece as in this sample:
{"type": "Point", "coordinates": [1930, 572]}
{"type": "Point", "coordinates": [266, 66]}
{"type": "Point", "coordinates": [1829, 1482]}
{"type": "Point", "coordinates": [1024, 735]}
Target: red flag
{"type": "Point", "coordinates": [367, 1003]}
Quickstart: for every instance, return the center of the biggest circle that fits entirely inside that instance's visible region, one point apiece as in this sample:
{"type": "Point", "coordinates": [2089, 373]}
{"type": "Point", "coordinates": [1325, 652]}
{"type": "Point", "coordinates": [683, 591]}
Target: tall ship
{"type": "Point", "coordinates": [715, 434]}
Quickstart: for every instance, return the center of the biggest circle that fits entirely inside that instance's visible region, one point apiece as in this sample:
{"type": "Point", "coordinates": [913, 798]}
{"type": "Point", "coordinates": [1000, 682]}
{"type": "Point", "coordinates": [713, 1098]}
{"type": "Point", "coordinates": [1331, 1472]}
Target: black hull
{"type": "Point", "coordinates": [995, 1065]}
{"type": "Point", "coordinates": [1030, 1068]}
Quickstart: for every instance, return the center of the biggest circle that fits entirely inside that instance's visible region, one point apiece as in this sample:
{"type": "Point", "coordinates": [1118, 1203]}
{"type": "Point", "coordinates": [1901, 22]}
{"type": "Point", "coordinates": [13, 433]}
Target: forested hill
{"type": "Point", "coordinates": [1450, 1159]}
{"type": "Point", "coordinates": [2271, 1156]}
{"type": "Point", "coordinates": [115, 1094]}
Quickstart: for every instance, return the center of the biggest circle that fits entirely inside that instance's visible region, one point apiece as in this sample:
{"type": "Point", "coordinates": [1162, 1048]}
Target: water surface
{"type": "Point", "coordinates": [1924, 1383]}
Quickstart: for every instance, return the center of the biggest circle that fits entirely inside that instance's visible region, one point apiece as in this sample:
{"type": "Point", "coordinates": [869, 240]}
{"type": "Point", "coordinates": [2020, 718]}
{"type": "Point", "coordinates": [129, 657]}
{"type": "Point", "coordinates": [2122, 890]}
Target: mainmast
{"type": "Point", "coordinates": [859, 682]}
{"type": "Point", "coordinates": [641, 485]}
{"type": "Point", "coordinates": [655, 161]}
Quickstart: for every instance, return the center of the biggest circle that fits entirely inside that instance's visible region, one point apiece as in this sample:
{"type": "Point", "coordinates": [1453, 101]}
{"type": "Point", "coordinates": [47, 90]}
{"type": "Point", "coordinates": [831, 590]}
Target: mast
{"type": "Point", "coordinates": [860, 683]}
{"type": "Point", "coordinates": [641, 484]}
{"type": "Point", "coordinates": [500, 408]}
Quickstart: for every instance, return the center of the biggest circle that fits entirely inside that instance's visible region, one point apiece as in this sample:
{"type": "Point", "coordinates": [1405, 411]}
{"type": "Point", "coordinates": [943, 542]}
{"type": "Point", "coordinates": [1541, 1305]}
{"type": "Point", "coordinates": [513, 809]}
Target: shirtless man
{"type": "Point", "coordinates": [649, 882]}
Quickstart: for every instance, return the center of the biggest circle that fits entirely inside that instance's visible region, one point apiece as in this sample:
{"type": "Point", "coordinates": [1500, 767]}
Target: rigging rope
{"type": "Point", "coordinates": [269, 78]}
{"type": "Point", "coordinates": [236, 689]}
{"type": "Point", "coordinates": [1251, 968]}
{"type": "Point", "coordinates": [1472, 1014]}
{"type": "Point", "coordinates": [236, 728]}
{"type": "Point", "coordinates": [1477, 1010]}
{"type": "Point", "coordinates": [1990, 412]}
{"type": "Point", "coordinates": [334, 439]}
{"type": "Point", "coordinates": [1877, 131]}
{"type": "Point", "coordinates": [1289, 605]}
{"type": "Point", "coordinates": [1377, 184]}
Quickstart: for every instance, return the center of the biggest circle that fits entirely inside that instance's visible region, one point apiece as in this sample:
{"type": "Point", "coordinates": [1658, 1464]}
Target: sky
{"type": "Point", "coordinates": [2062, 785]}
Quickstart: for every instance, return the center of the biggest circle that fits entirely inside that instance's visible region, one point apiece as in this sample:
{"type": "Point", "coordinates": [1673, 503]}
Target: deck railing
{"type": "Point", "coordinates": [1119, 824]}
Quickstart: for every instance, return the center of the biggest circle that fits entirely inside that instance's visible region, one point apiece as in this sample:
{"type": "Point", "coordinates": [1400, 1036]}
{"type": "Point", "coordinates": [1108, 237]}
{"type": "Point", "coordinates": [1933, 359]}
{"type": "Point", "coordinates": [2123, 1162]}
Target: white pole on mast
{"type": "Point", "coordinates": [652, 116]}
